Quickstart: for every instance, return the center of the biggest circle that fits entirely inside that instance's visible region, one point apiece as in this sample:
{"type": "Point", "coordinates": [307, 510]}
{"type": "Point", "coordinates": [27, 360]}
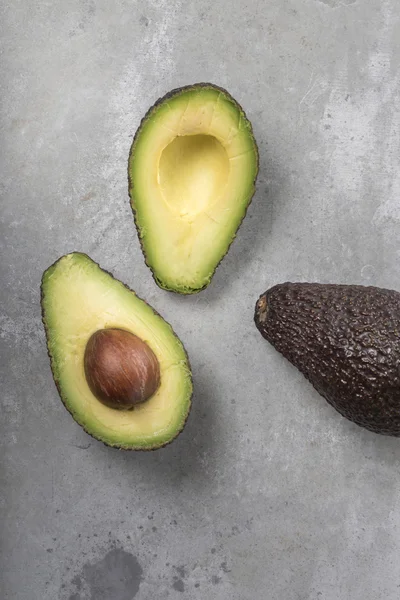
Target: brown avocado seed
{"type": "Point", "coordinates": [121, 369]}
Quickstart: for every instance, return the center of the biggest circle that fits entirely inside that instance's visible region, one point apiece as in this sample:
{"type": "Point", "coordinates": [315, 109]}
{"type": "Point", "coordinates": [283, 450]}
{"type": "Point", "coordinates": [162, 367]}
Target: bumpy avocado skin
{"type": "Point", "coordinates": [131, 187]}
{"type": "Point", "coordinates": [345, 339]}
{"type": "Point", "coordinates": [60, 390]}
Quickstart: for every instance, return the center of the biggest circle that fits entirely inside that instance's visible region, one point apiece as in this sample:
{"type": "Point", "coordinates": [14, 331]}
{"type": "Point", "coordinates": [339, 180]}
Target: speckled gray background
{"type": "Point", "coordinates": [268, 494]}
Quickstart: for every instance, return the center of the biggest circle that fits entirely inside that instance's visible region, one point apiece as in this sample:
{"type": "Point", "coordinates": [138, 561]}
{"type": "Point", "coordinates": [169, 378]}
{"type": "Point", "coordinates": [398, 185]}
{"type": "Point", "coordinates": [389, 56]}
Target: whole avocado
{"type": "Point", "coordinates": [345, 339]}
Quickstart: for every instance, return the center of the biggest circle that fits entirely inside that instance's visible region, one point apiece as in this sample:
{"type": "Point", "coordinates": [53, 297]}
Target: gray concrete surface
{"type": "Point", "coordinates": [268, 494]}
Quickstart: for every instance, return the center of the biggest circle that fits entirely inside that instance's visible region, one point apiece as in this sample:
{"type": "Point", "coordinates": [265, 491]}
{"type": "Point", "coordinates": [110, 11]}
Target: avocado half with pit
{"type": "Point", "coordinates": [120, 369]}
{"type": "Point", "coordinates": [192, 170]}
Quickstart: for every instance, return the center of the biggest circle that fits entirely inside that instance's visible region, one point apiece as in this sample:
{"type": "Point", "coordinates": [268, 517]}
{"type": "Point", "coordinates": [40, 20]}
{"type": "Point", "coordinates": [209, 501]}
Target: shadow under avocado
{"type": "Point", "coordinates": [192, 456]}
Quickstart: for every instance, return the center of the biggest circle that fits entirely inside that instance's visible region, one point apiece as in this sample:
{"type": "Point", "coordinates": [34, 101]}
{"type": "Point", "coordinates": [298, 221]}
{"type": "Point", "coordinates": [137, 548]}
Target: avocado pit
{"type": "Point", "coordinates": [120, 368]}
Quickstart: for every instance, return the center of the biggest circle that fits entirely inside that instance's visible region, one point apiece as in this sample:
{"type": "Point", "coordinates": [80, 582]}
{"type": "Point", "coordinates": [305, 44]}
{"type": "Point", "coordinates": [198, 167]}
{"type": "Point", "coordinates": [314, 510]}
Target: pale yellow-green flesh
{"type": "Point", "coordinates": [78, 299]}
{"type": "Point", "coordinates": [192, 173]}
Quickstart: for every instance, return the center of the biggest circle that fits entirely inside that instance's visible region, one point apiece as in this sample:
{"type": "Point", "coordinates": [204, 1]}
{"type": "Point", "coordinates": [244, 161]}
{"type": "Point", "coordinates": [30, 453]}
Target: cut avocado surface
{"type": "Point", "coordinates": [78, 299]}
{"type": "Point", "coordinates": [192, 171]}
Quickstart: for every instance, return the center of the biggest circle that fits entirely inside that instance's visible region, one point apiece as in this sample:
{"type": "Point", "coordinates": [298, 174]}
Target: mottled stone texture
{"type": "Point", "coordinates": [268, 494]}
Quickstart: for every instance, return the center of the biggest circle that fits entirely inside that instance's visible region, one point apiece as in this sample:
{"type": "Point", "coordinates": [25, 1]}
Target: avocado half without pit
{"type": "Point", "coordinates": [192, 170]}
{"type": "Point", "coordinates": [120, 369]}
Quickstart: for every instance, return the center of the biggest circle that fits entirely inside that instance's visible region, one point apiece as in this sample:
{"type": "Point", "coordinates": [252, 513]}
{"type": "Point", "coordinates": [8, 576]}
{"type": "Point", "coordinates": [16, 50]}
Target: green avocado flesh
{"type": "Point", "coordinates": [192, 170]}
{"type": "Point", "coordinates": [78, 299]}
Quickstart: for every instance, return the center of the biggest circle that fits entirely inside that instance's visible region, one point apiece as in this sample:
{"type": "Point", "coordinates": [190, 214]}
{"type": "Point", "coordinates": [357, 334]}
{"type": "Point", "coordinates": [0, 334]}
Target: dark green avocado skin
{"type": "Point", "coordinates": [345, 339]}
